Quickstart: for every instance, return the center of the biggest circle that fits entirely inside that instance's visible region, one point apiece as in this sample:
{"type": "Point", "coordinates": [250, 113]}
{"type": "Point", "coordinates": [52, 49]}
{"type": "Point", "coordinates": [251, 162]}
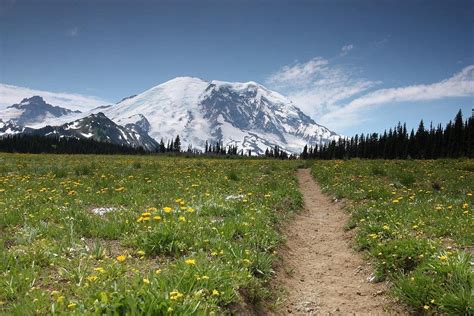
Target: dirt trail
{"type": "Point", "coordinates": [320, 272]}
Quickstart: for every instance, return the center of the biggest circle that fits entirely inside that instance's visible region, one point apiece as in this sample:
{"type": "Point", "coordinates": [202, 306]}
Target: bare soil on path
{"type": "Point", "coordinates": [320, 272]}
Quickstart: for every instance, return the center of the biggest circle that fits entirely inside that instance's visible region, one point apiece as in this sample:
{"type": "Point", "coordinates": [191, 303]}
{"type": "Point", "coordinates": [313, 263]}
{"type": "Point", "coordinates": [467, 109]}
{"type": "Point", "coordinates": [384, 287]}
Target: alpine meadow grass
{"type": "Point", "coordinates": [138, 235]}
{"type": "Point", "coordinates": [415, 219]}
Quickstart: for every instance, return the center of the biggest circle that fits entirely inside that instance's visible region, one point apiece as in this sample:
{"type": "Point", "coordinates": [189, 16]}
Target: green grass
{"type": "Point", "coordinates": [415, 220]}
{"type": "Point", "coordinates": [187, 236]}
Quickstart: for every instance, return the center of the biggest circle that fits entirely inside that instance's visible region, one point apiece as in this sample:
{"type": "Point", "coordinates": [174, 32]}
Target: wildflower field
{"type": "Point", "coordinates": [138, 235]}
{"type": "Point", "coordinates": [415, 220]}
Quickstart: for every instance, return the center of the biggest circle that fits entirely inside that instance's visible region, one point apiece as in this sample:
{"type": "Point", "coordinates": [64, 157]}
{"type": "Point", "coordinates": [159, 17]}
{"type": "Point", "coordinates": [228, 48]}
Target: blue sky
{"type": "Point", "coordinates": [354, 66]}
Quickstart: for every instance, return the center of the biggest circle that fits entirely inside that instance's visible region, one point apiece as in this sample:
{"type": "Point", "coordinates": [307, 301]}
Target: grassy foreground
{"type": "Point", "coordinates": [415, 219]}
{"type": "Point", "coordinates": [138, 235]}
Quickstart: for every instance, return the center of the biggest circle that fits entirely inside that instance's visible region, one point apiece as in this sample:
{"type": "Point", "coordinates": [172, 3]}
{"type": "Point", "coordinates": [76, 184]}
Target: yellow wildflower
{"type": "Point", "coordinates": [72, 306]}
{"type": "Point", "coordinates": [190, 261]}
{"type": "Point", "coordinates": [175, 295]}
{"type": "Point", "coordinates": [121, 258]}
{"type": "Point", "coordinates": [443, 258]}
{"type": "Point", "coordinates": [92, 278]}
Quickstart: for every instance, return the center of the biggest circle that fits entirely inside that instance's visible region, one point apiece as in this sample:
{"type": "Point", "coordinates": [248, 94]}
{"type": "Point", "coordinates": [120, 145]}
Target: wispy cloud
{"type": "Point", "coordinates": [10, 94]}
{"type": "Point", "coordinates": [346, 49]}
{"type": "Point", "coordinates": [73, 32]}
{"type": "Point", "coordinates": [339, 97]}
{"type": "Point", "coordinates": [460, 84]}
{"type": "Point", "coordinates": [317, 86]}
{"type": "Point", "coordinates": [299, 74]}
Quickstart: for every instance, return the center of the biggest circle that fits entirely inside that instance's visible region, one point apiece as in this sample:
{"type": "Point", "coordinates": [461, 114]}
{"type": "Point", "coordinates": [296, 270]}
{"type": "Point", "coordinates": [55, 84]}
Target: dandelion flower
{"type": "Point", "coordinates": [215, 292]}
{"type": "Point", "coordinates": [72, 306]}
{"type": "Point", "coordinates": [146, 281]}
{"type": "Point", "coordinates": [92, 278]}
{"type": "Point", "coordinates": [175, 295]}
{"type": "Point", "coordinates": [121, 258]}
{"type": "Point", "coordinates": [190, 261]}
{"type": "Point", "coordinates": [167, 209]}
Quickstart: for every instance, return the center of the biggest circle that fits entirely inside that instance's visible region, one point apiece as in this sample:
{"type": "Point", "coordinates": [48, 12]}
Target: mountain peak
{"type": "Point", "coordinates": [32, 111]}
{"type": "Point", "coordinates": [246, 114]}
{"type": "Point", "coordinates": [184, 80]}
{"type": "Point", "coordinates": [36, 99]}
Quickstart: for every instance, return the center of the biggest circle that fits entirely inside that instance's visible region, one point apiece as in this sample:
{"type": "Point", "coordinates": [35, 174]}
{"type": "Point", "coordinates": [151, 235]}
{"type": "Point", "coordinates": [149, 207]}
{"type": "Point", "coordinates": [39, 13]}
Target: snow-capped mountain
{"type": "Point", "coordinates": [32, 111]}
{"type": "Point", "coordinates": [244, 114]}
{"type": "Point", "coordinates": [102, 129]}
{"type": "Point", "coordinates": [9, 128]}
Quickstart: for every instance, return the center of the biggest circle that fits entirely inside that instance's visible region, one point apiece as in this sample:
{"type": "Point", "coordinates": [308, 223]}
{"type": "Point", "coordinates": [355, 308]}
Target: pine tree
{"type": "Point", "coordinates": [162, 146]}
{"type": "Point", "coordinates": [304, 154]}
{"type": "Point", "coordinates": [177, 144]}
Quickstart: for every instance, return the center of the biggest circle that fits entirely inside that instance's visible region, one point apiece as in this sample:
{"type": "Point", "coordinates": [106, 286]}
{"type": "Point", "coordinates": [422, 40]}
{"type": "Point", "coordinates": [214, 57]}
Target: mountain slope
{"type": "Point", "coordinates": [32, 111]}
{"type": "Point", "coordinates": [102, 129]}
{"type": "Point", "coordinates": [9, 128]}
{"type": "Point", "coordinates": [244, 114]}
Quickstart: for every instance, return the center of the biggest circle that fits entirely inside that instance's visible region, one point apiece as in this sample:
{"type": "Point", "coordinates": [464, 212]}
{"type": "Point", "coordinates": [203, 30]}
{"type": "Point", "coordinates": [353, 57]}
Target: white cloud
{"type": "Point", "coordinates": [338, 97]}
{"type": "Point", "coordinates": [73, 32]}
{"type": "Point", "coordinates": [317, 86]}
{"type": "Point", "coordinates": [459, 85]}
{"type": "Point", "coordinates": [300, 74]}
{"type": "Point", "coordinates": [346, 49]}
{"type": "Point", "coordinates": [10, 94]}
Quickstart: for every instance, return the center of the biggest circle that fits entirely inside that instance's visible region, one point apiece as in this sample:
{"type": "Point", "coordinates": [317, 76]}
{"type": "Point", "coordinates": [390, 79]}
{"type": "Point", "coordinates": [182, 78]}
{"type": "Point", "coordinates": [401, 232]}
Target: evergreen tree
{"type": "Point", "coordinates": [177, 145]}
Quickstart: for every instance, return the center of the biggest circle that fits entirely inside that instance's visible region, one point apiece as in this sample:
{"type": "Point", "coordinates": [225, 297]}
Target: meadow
{"type": "Point", "coordinates": [138, 234]}
{"type": "Point", "coordinates": [163, 235]}
{"type": "Point", "coordinates": [415, 221]}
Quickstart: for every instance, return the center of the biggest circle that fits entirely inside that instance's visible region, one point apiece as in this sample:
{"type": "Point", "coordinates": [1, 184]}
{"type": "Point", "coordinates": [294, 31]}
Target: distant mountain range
{"type": "Point", "coordinates": [246, 115]}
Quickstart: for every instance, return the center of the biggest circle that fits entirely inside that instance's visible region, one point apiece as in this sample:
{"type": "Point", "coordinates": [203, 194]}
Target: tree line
{"type": "Point", "coordinates": [454, 140]}
{"type": "Point", "coordinates": [35, 144]}
{"type": "Point", "coordinates": [174, 146]}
